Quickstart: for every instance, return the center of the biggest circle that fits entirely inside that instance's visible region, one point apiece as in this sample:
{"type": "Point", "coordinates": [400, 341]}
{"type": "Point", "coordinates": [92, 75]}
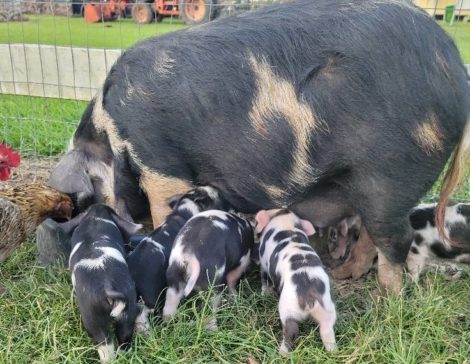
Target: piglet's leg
{"type": "Point", "coordinates": [173, 298]}
{"type": "Point", "coordinates": [326, 317]}
{"type": "Point", "coordinates": [266, 288]}
{"type": "Point", "coordinates": [290, 331]}
{"type": "Point", "coordinates": [234, 276]}
{"type": "Point", "coordinates": [142, 324]}
{"type": "Point", "coordinates": [215, 302]}
{"type": "Point", "coordinates": [98, 330]}
{"type": "Point", "coordinates": [158, 189]}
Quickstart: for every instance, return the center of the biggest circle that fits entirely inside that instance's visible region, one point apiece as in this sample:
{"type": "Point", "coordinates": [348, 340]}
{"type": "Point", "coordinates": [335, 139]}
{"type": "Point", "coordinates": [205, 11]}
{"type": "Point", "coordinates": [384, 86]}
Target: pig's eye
{"type": "Point", "coordinates": [333, 235]}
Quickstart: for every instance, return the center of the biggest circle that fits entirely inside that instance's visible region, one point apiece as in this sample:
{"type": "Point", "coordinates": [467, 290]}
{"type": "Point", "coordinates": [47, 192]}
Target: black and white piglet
{"type": "Point", "coordinates": [212, 248]}
{"type": "Point", "coordinates": [103, 285]}
{"type": "Point", "coordinates": [148, 262]}
{"type": "Point", "coordinates": [427, 244]}
{"type": "Point", "coordinates": [291, 264]}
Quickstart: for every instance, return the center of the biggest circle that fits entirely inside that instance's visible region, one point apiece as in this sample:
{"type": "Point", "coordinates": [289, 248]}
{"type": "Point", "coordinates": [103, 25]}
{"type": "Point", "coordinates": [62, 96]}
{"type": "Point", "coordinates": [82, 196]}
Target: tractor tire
{"type": "Point", "coordinates": [198, 11]}
{"type": "Point", "coordinates": [142, 13]}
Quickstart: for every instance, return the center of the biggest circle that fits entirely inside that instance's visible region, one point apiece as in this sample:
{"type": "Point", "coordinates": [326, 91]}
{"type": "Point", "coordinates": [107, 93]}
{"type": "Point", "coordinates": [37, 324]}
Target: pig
{"type": "Point", "coordinates": [213, 248]}
{"type": "Point", "coordinates": [427, 244]}
{"type": "Point", "coordinates": [341, 236]}
{"type": "Point", "coordinates": [101, 279]}
{"type": "Point", "coordinates": [297, 273]}
{"type": "Point", "coordinates": [148, 262]}
{"type": "Point", "coordinates": [337, 90]}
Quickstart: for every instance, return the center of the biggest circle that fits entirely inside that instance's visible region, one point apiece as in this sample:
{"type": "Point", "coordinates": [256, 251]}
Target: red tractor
{"type": "Point", "coordinates": [190, 11]}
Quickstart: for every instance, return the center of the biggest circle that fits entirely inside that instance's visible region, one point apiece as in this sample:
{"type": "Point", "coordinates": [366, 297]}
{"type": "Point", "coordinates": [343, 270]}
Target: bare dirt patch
{"type": "Point", "coordinates": [30, 170]}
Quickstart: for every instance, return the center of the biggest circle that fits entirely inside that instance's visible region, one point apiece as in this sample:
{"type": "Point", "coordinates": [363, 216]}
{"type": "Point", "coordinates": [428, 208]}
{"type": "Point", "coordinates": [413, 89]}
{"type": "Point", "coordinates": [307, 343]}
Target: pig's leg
{"type": "Point", "coordinates": [266, 287]}
{"type": "Point", "coordinates": [416, 261]}
{"type": "Point", "coordinates": [360, 259]}
{"type": "Point", "coordinates": [142, 324]}
{"type": "Point", "coordinates": [158, 189]}
{"type": "Point", "coordinates": [215, 302]}
{"type": "Point", "coordinates": [98, 330]}
{"type": "Point", "coordinates": [393, 242]}
{"type": "Point", "coordinates": [234, 275]}
{"type": "Point", "coordinates": [290, 331]}
{"type": "Point", "coordinates": [326, 317]}
{"type": "Point", "coordinates": [124, 331]}
{"type": "Point", "coordinates": [173, 298]}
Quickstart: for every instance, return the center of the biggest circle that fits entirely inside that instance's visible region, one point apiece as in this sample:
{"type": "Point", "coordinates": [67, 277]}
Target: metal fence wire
{"type": "Point", "coordinates": [54, 56]}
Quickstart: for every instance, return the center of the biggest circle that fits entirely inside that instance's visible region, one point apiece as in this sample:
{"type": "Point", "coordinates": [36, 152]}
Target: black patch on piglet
{"type": "Point", "coordinates": [298, 261]}
{"type": "Point", "coordinates": [414, 250]}
{"type": "Point", "coordinates": [419, 218]}
{"type": "Point", "coordinates": [309, 290]}
{"type": "Point", "coordinates": [418, 239]}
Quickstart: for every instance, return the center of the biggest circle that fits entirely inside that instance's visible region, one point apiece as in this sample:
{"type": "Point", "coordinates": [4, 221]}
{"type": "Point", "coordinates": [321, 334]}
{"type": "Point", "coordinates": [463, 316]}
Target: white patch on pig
{"type": "Point", "coordinates": [107, 221]}
{"type": "Point", "coordinates": [106, 353]}
{"type": "Point", "coordinates": [173, 298]}
{"type": "Point", "coordinates": [219, 225]}
{"type": "Point", "coordinates": [189, 206]}
{"type": "Point", "coordinates": [157, 246]}
{"type": "Point", "coordinates": [166, 233]}
{"type": "Point", "coordinates": [222, 215]}
{"type": "Point", "coordinates": [219, 272]}
{"type": "Point", "coordinates": [212, 192]}
{"type": "Point", "coordinates": [118, 308]}
{"type": "Point", "coordinates": [99, 263]}
{"type": "Point", "coordinates": [416, 262]}
{"type": "Point", "coordinates": [74, 250]}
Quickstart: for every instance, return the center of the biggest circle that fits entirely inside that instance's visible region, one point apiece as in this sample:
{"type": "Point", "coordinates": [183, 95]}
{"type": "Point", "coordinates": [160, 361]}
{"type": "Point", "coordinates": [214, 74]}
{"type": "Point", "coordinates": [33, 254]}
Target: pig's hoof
{"type": "Point", "coordinates": [284, 350]}
{"type": "Point", "coordinates": [167, 318]}
{"type": "Point", "coordinates": [331, 347]}
{"type": "Point", "coordinates": [267, 291]}
{"type": "Point", "coordinates": [142, 328]}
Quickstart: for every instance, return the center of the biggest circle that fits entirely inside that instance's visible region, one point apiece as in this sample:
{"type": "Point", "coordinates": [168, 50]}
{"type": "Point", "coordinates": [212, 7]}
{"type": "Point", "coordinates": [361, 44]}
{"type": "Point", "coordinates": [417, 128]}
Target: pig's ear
{"type": "Point", "coordinates": [262, 220]}
{"type": "Point", "coordinates": [307, 227]}
{"type": "Point", "coordinates": [70, 176]}
{"type": "Point", "coordinates": [128, 228]}
{"type": "Point", "coordinates": [343, 227]}
{"type": "Point", "coordinates": [69, 226]}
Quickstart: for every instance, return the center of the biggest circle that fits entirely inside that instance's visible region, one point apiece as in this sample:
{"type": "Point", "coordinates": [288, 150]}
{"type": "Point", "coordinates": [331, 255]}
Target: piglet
{"type": "Point", "coordinates": [428, 245]}
{"type": "Point", "coordinates": [212, 248]}
{"type": "Point", "coordinates": [291, 264]}
{"type": "Point", "coordinates": [148, 262]}
{"type": "Point", "coordinates": [103, 285]}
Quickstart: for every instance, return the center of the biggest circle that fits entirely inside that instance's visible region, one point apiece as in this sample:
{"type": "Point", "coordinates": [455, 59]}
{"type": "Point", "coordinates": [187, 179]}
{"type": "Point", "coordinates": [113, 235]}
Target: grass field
{"type": "Point", "coordinates": [429, 324]}
{"type": "Point", "coordinates": [66, 31]}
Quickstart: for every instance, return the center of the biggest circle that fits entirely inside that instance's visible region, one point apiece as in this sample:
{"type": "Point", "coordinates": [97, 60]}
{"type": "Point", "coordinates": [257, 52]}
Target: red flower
{"type": "Point", "coordinates": [8, 160]}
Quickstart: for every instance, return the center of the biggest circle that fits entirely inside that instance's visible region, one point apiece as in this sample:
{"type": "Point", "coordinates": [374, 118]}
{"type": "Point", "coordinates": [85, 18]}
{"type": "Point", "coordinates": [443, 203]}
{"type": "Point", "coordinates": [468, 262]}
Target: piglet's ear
{"type": "Point", "coordinates": [262, 220]}
{"type": "Point", "coordinates": [307, 227]}
{"type": "Point", "coordinates": [126, 227]}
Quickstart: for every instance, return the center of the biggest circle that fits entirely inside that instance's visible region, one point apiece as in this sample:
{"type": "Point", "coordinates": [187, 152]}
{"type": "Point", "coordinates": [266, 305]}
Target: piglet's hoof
{"type": "Point", "coordinates": [53, 244]}
{"type": "Point", "coordinates": [167, 318]}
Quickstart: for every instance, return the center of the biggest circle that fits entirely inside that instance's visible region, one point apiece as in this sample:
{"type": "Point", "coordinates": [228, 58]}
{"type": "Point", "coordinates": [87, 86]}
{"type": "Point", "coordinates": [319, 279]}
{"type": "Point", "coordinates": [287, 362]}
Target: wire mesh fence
{"type": "Point", "coordinates": [54, 56]}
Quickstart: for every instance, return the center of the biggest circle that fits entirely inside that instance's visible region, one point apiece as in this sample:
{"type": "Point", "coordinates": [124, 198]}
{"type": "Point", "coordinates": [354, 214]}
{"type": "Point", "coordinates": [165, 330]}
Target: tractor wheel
{"type": "Point", "coordinates": [198, 11]}
{"type": "Point", "coordinates": [142, 13]}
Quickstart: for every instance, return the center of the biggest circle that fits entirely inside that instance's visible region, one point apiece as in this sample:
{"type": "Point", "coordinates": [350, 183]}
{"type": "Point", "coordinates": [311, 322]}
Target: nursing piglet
{"type": "Point", "coordinates": [212, 248]}
{"type": "Point", "coordinates": [148, 262]}
{"type": "Point", "coordinates": [103, 285]}
{"type": "Point", "coordinates": [291, 264]}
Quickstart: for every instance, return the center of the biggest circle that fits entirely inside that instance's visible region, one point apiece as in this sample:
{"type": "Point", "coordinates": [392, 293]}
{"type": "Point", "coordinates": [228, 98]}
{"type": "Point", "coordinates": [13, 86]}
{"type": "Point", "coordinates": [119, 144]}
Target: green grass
{"type": "Point", "coordinates": [460, 32]}
{"type": "Point", "coordinates": [429, 324]}
{"type": "Point", "coordinates": [66, 31]}
{"type": "Point", "coordinates": [38, 126]}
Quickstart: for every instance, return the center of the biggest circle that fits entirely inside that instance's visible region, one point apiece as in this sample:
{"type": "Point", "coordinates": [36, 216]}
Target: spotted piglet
{"type": "Point", "coordinates": [212, 248]}
{"type": "Point", "coordinates": [103, 285]}
{"type": "Point", "coordinates": [148, 262]}
{"type": "Point", "coordinates": [291, 264]}
{"type": "Point", "coordinates": [427, 245]}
